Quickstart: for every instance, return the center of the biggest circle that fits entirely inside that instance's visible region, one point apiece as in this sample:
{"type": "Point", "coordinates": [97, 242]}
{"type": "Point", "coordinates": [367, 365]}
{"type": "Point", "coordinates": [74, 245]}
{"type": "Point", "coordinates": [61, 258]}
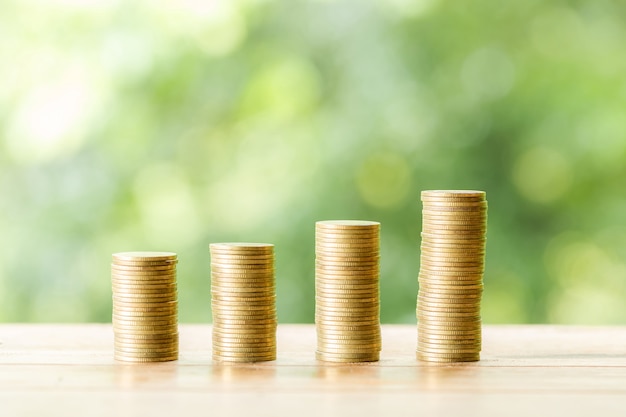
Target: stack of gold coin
{"type": "Point", "coordinates": [454, 226]}
{"type": "Point", "coordinates": [145, 306]}
{"type": "Point", "coordinates": [243, 298]}
{"type": "Point", "coordinates": [347, 302]}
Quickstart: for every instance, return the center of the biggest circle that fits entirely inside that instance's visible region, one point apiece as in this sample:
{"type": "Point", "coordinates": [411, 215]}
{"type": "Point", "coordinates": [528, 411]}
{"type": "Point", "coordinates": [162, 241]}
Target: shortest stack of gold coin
{"type": "Point", "coordinates": [145, 306]}
{"type": "Point", "coordinates": [454, 225]}
{"type": "Point", "coordinates": [243, 300]}
{"type": "Point", "coordinates": [347, 302]}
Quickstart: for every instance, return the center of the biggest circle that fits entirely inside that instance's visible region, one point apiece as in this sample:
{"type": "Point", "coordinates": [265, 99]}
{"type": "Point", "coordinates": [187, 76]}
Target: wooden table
{"type": "Point", "coordinates": [68, 370]}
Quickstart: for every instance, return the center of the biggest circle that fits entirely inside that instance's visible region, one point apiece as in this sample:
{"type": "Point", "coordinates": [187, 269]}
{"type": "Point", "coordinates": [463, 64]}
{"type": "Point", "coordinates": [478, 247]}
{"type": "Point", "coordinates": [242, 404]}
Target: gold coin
{"type": "Point", "coordinates": [425, 348]}
{"type": "Point", "coordinates": [266, 268]}
{"type": "Point", "coordinates": [463, 224]}
{"type": "Point", "coordinates": [128, 268]}
{"type": "Point", "coordinates": [126, 358]}
{"type": "Point", "coordinates": [268, 286]}
{"type": "Point", "coordinates": [450, 308]}
{"type": "Point", "coordinates": [144, 338]}
{"type": "Point", "coordinates": [143, 273]}
{"type": "Point", "coordinates": [352, 316]}
{"type": "Point", "coordinates": [147, 285]}
{"type": "Point", "coordinates": [356, 308]}
{"type": "Point", "coordinates": [142, 320]}
{"type": "Point", "coordinates": [433, 297]}
{"type": "Point", "coordinates": [474, 229]}
{"type": "Point", "coordinates": [352, 335]}
{"type": "Point", "coordinates": [238, 328]}
{"type": "Point", "coordinates": [455, 211]}
{"type": "Point", "coordinates": [327, 326]}
{"type": "Point", "coordinates": [345, 295]}
{"type": "Point", "coordinates": [155, 306]}
{"type": "Point", "coordinates": [347, 224]}
{"type": "Point", "coordinates": [244, 359]}
{"type": "Point", "coordinates": [475, 332]}
{"type": "Point", "coordinates": [365, 235]}
{"type": "Point", "coordinates": [348, 348]}
{"type": "Point", "coordinates": [145, 332]}
{"type": "Point", "coordinates": [244, 338]}
{"type": "Point", "coordinates": [450, 194]}
{"type": "Point", "coordinates": [144, 256]}
{"type": "Point", "coordinates": [346, 277]}
{"type": "Point", "coordinates": [452, 289]}
{"type": "Point", "coordinates": [430, 248]}
{"type": "Point", "coordinates": [442, 284]}
{"type": "Point", "coordinates": [244, 346]}
{"type": "Point", "coordinates": [452, 251]}
{"type": "Point", "coordinates": [429, 345]}
{"type": "Point", "coordinates": [243, 334]}
{"type": "Point", "coordinates": [338, 247]}
{"type": "Point", "coordinates": [345, 322]}
{"type": "Point", "coordinates": [222, 316]}
{"type": "Point", "coordinates": [140, 325]}
{"type": "Point", "coordinates": [454, 241]}
{"type": "Point", "coordinates": [448, 324]}
{"type": "Point", "coordinates": [219, 321]}
{"type": "Point", "coordinates": [347, 357]}
{"type": "Point", "coordinates": [448, 202]}
{"type": "Point", "coordinates": [146, 348]}
{"type": "Point", "coordinates": [155, 295]}
{"type": "Point", "coordinates": [242, 247]}
{"type": "Point", "coordinates": [433, 315]}
{"type": "Point", "coordinates": [471, 333]}
{"type": "Point", "coordinates": [244, 292]}
{"type": "Point", "coordinates": [219, 264]}
{"type": "Point", "coordinates": [141, 314]}
{"type": "Point", "coordinates": [147, 292]}
{"type": "Point", "coordinates": [141, 284]}
{"type": "Point", "coordinates": [355, 280]}
{"type": "Point", "coordinates": [327, 254]}
{"type": "Point", "coordinates": [236, 257]}
{"type": "Point", "coordinates": [330, 287]}
{"type": "Point", "coordinates": [268, 300]}
{"type": "Point", "coordinates": [144, 263]}
{"type": "Point", "coordinates": [239, 282]}
{"type": "Point", "coordinates": [243, 352]}
{"type": "Point", "coordinates": [448, 358]}
{"type": "Point", "coordinates": [342, 302]}
{"type": "Point", "coordinates": [371, 238]}
{"type": "Point", "coordinates": [432, 263]}
{"type": "Point", "coordinates": [244, 306]}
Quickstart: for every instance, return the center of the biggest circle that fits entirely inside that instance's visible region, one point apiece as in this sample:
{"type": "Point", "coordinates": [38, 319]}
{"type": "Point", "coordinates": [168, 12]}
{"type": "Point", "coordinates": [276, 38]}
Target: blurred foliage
{"type": "Point", "coordinates": [167, 125]}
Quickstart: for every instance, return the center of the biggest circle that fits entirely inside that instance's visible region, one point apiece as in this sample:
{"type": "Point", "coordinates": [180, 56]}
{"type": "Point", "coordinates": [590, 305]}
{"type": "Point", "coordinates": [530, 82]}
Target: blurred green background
{"type": "Point", "coordinates": [167, 125]}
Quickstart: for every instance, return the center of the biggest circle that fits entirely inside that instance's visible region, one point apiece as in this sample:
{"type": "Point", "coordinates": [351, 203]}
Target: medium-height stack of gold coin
{"type": "Point", "coordinates": [243, 298]}
{"type": "Point", "coordinates": [145, 306]}
{"type": "Point", "coordinates": [347, 307]}
{"type": "Point", "coordinates": [454, 225]}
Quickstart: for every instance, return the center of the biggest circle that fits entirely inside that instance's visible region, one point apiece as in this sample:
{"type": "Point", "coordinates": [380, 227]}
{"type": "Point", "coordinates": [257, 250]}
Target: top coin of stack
{"type": "Point", "coordinates": [454, 225]}
{"type": "Point", "coordinates": [145, 306]}
{"type": "Point", "coordinates": [347, 303]}
{"type": "Point", "coordinates": [243, 299]}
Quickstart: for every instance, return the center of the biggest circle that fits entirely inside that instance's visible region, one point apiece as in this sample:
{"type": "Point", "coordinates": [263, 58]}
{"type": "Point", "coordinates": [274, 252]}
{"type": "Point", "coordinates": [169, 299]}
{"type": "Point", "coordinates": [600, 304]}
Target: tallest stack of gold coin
{"type": "Point", "coordinates": [145, 306]}
{"type": "Point", "coordinates": [347, 303]}
{"type": "Point", "coordinates": [454, 225]}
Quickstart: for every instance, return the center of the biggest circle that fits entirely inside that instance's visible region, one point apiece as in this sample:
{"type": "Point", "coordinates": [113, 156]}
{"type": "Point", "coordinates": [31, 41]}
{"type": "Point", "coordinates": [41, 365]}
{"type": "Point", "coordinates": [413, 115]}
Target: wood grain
{"type": "Point", "coordinates": [68, 370]}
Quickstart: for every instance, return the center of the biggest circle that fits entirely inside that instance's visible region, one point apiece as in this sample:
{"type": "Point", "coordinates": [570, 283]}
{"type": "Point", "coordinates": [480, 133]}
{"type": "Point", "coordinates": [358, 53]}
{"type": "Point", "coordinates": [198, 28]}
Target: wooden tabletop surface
{"type": "Point", "coordinates": [68, 370]}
